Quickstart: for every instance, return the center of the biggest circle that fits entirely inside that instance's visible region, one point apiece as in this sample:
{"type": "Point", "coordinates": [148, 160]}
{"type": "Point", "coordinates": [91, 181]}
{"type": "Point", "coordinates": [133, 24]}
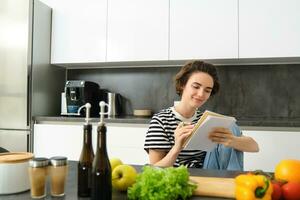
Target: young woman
{"type": "Point", "coordinates": [195, 83]}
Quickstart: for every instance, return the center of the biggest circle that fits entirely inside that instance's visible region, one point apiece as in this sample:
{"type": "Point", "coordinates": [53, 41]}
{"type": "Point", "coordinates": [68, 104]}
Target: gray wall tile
{"type": "Point", "coordinates": [262, 92]}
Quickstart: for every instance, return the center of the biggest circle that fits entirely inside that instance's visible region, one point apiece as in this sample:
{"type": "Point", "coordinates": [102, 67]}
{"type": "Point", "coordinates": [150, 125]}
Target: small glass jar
{"type": "Point", "coordinates": [38, 175]}
{"type": "Point", "coordinates": [58, 174]}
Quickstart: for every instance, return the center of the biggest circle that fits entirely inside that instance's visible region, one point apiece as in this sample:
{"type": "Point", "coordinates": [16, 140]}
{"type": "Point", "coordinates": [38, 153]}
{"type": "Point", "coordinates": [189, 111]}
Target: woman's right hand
{"type": "Point", "coordinates": [181, 133]}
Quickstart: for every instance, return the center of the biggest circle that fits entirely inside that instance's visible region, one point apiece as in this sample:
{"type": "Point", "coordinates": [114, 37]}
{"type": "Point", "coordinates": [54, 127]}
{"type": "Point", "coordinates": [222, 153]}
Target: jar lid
{"type": "Point", "coordinates": [15, 157]}
{"type": "Point", "coordinates": [59, 161]}
{"type": "Point", "coordinates": [39, 162]}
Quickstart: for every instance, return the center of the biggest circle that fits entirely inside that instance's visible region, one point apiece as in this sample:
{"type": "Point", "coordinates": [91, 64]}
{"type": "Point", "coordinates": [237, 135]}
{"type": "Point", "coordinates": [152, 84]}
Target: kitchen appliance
{"type": "Point", "coordinates": [114, 101]}
{"type": "Point", "coordinates": [103, 95]}
{"type": "Point", "coordinates": [14, 172]}
{"type": "Point", "coordinates": [63, 104]}
{"type": "Point", "coordinates": [80, 92]}
{"type": "Point", "coordinates": [29, 85]}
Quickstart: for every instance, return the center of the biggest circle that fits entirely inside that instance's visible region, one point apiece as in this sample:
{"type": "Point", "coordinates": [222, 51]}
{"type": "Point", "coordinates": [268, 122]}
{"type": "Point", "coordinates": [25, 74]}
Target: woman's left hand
{"type": "Point", "coordinates": [222, 136]}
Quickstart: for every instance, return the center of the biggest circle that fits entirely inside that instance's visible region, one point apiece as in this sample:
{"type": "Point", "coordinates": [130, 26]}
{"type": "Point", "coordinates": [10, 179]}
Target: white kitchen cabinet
{"type": "Point", "coordinates": [206, 29]}
{"type": "Point", "coordinates": [269, 28]}
{"type": "Point", "coordinates": [274, 146]}
{"type": "Point", "coordinates": [57, 140]}
{"type": "Point", "coordinates": [123, 141]}
{"type": "Point", "coordinates": [137, 30]}
{"type": "Point", "coordinates": [78, 30]}
{"type": "Point", "coordinates": [127, 143]}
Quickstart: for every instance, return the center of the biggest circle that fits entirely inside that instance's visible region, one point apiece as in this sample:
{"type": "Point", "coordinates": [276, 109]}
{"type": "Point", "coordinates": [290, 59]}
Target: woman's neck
{"type": "Point", "coordinates": [184, 110]}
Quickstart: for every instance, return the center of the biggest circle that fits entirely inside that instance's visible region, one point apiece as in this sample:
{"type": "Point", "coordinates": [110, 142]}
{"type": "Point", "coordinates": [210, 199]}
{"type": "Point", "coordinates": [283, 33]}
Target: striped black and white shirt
{"type": "Point", "coordinates": [160, 136]}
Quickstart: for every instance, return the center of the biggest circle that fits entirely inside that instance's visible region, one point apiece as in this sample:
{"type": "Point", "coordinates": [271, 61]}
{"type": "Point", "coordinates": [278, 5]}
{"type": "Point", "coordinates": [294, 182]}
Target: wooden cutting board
{"type": "Point", "coordinates": [214, 187]}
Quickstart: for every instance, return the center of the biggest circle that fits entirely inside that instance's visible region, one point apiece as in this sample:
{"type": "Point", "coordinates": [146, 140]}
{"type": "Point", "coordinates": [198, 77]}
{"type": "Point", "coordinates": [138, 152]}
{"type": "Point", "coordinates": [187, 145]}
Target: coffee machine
{"type": "Point", "coordinates": [78, 93]}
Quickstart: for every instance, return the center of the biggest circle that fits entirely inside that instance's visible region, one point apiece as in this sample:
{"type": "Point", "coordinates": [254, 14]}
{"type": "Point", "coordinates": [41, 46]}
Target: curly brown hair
{"type": "Point", "coordinates": [189, 68]}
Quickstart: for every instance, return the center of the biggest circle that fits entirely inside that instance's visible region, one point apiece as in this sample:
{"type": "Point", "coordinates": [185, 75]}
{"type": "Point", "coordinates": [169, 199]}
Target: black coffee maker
{"type": "Point", "coordinates": [78, 93]}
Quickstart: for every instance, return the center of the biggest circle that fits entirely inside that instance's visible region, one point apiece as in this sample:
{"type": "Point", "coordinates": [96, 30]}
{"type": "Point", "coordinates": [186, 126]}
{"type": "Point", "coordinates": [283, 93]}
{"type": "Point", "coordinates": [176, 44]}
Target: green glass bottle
{"type": "Point", "coordinates": [86, 159]}
{"type": "Point", "coordinates": [101, 171]}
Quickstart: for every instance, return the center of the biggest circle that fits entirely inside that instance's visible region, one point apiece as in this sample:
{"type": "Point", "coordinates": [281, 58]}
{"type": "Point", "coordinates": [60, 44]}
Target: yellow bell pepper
{"type": "Point", "coordinates": [253, 187]}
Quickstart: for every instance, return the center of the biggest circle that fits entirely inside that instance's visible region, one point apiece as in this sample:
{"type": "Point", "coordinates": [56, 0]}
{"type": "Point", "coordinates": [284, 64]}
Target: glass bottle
{"type": "Point", "coordinates": [86, 159]}
{"type": "Point", "coordinates": [85, 163]}
{"type": "Point", "coordinates": [101, 172]}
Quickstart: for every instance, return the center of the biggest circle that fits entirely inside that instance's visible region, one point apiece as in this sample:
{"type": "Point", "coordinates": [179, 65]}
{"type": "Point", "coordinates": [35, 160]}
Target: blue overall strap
{"type": "Point", "coordinates": [225, 158]}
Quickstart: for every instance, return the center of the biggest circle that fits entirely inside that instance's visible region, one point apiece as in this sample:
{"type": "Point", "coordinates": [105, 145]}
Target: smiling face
{"type": "Point", "coordinates": [197, 90]}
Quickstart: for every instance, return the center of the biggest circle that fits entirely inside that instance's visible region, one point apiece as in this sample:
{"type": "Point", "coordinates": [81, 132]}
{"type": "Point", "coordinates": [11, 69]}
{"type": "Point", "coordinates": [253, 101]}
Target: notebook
{"type": "Point", "coordinates": [199, 137]}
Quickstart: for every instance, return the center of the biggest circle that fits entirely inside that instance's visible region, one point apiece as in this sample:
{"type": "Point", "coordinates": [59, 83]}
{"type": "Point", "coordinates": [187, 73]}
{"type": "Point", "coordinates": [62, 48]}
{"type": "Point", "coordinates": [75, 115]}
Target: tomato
{"type": "Point", "coordinates": [288, 170]}
{"type": "Point", "coordinates": [277, 193]}
{"type": "Point", "coordinates": [291, 191]}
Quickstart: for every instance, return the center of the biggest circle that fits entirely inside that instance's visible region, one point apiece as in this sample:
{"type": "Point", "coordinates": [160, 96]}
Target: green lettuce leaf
{"type": "Point", "coordinates": [162, 184]}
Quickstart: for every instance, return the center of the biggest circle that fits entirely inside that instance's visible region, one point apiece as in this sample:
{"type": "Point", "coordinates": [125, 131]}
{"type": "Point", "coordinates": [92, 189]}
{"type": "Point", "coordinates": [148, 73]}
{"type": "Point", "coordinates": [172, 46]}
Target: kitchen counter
{"type": "Point", "coordinates": [262, 124]}
{"type": "Point", "coordinates": [129, 119]}
{"type": "Point", "coordinates": [71, 186]}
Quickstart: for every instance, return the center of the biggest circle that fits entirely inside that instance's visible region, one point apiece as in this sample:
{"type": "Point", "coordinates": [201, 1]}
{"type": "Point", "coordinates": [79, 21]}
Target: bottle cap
{"type": "Point", "coordinates": [58, 161]}
{"type": "Point", "coordinates": [87, 107]}
{"type": "Point", "coordinates": [102, 104]}
{"type": "Point", "coordinates": [39, 162]}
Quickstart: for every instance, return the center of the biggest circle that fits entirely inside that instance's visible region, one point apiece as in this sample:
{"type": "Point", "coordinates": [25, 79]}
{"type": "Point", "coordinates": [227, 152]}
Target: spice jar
{"type": "Point", "coordinates": [38, 175]}
{"type": "Point", "coordinates": [58, 173]}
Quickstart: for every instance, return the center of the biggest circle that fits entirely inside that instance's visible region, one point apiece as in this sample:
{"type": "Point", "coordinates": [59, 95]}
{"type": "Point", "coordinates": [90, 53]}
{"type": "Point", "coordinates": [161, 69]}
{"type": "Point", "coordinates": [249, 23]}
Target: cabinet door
{"type": "Point", "coordinates": [57, 140]}
{"type": "Point", "coordinates": [137, 30]}
{"type": "Point", "coordinates": [127, 143]}
{"type": "Point", "coordinates": [269, 28]}
{"type": "Point", "coordinates": [273, 147]}
{"type": "Point", "coordinates": [78, 30]}
{"type": "Point", "coordinates": [205, 29]}
{"type": "Point", "coordinates": [123, 141]}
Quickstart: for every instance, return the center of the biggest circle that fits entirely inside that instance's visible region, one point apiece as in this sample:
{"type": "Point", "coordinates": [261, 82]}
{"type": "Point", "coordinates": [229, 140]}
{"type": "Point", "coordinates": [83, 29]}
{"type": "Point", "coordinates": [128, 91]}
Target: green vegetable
{"type": "Point", "coordinates": [162, 184]}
